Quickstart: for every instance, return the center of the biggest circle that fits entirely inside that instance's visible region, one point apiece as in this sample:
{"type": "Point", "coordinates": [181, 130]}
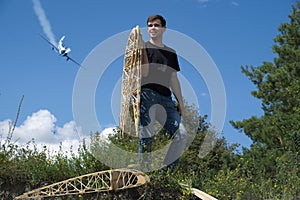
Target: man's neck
{"type": "Point", "coordinates": [157, 42]}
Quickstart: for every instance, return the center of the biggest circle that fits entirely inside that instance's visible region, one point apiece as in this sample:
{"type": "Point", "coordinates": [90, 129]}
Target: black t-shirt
{"type": "Point", "coordinates": [162, 62]}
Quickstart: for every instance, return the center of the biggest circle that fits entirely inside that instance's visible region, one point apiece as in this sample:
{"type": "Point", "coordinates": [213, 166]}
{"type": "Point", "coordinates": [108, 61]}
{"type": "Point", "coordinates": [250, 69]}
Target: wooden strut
{"type": "Point", "coordinates": [198, 193]}
{"type": "Point", "coordinates": [117, 179]}
{"type": "Point", "coordinates": [131, 83]}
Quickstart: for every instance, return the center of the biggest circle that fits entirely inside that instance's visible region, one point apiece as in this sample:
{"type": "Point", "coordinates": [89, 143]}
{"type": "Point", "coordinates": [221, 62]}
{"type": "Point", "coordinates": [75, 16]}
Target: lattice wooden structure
{"type": "Point", "coordinates": [131, 83]}
{"type": "Point", "coordinates": [95, 182]}
{"type": "Point", "coordinates": [198, 193]}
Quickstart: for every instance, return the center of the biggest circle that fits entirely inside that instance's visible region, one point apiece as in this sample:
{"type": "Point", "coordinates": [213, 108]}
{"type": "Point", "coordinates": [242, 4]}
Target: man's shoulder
{"type": "Point", "coordinates": [149, 45]}
{"type": "Point", "coordinates": [167, 48]}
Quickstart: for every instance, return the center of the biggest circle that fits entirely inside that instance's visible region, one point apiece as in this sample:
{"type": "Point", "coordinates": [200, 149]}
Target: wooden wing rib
{"type": "Point", "coordinates": [131, 84]}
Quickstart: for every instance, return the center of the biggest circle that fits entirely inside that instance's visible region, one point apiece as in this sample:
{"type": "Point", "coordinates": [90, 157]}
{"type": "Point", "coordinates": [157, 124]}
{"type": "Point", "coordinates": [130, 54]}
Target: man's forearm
{"type": "Point", "coordinates": [176, 88]}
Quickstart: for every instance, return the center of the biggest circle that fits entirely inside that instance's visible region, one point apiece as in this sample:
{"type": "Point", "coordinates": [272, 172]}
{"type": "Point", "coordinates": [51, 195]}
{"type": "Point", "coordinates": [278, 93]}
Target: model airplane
{"type": "Point", "coordinates": [63, 51]}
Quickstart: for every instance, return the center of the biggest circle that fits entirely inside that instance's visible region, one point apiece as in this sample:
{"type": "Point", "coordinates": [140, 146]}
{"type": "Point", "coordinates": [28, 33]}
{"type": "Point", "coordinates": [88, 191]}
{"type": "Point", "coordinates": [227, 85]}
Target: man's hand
{"type": "Point", "coordinates": [180, 109]}
{"type": "Point", "coordinates": [137, 37]}
{"type": "Point", "coordinates": [176, 88]}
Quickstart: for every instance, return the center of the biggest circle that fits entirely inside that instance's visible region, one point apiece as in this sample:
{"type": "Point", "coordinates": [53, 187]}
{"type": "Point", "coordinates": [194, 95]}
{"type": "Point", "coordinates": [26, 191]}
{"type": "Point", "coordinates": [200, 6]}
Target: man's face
{"type": "Point", "coordinates": [155, 29]}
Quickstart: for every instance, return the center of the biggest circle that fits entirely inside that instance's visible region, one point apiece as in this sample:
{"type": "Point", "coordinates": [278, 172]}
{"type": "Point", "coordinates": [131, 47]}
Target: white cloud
{"type": "Point", "coordinates": [235, 3]}
{"type": "Point", "coordinates": [108, 132]}
{"type": "Point", "coordinates": [69, 131]}
{"type": "Point", "coordinates": [41, 126]}
{"type": "Point", "coordinates": [203, 94]}
{"type": "Point", "coordinates": [4, 128]}
{"type": "Point", "coordinates": [202, 1]}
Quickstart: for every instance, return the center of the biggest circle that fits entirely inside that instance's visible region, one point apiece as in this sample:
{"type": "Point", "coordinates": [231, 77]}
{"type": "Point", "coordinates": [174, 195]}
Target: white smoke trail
{"type": "Point", "coordinates": [39, 11]}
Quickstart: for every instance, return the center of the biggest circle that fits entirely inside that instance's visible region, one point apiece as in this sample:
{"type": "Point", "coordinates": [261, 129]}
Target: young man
{"type": "Point", "coordinates": [159, 80]}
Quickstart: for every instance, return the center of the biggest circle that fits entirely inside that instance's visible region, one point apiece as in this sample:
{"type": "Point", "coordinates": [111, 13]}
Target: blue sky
{"type": "Point", "coordinates": [233, 33]}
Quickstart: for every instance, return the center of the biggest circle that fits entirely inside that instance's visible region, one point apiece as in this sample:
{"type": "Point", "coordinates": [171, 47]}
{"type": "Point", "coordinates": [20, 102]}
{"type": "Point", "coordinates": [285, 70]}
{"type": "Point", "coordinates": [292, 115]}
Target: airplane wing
{"type": "Point", "coordinates": [74, 61]}
{"type": "Point", "coordinates": [53, 46]}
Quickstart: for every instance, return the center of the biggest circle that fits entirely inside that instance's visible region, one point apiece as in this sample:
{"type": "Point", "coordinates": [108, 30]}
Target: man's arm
{"type": "Point", "coordinates": [176, 88]}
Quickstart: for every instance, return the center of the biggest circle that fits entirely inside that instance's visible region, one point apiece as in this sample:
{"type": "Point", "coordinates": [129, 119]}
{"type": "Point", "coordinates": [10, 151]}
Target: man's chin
{"type": "Point", "coordinates": [153, 35]}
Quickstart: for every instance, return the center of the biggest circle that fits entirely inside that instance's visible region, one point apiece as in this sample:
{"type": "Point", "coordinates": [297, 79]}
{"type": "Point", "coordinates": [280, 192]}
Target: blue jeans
{"type": "Point", "coordinates": [156, 107]}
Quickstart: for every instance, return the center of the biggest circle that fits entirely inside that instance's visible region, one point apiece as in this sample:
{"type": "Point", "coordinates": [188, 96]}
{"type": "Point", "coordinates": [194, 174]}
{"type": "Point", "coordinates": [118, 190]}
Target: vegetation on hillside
{"type": "Point", "coordinates": [269, 169]}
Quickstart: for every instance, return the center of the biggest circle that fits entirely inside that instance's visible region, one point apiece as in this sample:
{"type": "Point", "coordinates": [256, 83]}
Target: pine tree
{"type": "Point", "coordinates": [278, 88]}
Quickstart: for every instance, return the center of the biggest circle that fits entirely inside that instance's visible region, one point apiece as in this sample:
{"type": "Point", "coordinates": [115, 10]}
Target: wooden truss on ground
{"type": "Point", "coordinates": [131, 82]}
{"type": "Point", "coordinates": [198, 193]}
{"type": "Point", "coordinates": [117, 179]}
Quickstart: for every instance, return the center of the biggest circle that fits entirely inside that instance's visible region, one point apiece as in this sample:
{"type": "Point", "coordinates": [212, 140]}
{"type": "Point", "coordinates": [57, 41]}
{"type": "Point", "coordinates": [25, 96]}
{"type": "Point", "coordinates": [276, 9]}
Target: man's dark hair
{"type": "Point", "coordinates": [155, 17]}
